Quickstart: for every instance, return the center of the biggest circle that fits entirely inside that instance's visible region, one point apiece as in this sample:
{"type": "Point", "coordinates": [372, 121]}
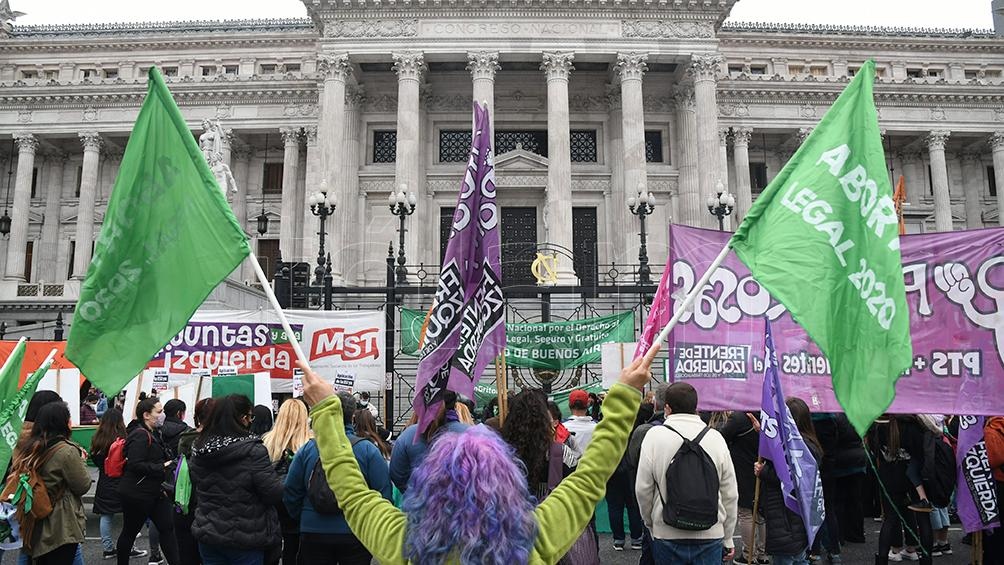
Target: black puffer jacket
{"type": "Point", "coordinates": [743, 440]}
{"type": "Point", "coordinates": [106, 494]}
{"type": "Point", "coordinates": [145, 454]}
{"type": "Point", "coordinates": [786, 533]}
{"type": "Point", "coordinates": [237, 490]}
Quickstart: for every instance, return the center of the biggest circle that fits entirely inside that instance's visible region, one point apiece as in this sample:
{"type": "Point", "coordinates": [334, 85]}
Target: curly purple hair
{"type": "Point", "coordinates": [469, 499]}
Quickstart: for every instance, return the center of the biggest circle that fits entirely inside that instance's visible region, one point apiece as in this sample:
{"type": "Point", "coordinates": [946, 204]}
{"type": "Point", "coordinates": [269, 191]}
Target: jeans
{"type": "Point", "coordinates": [188, 548]}
{"type": "Point", "coordinates": [789, 559]}
{"type": "Point", "coordinates": [217, 555]}
{"type": "Point", "coordinates": [746, 525]}
{"type": "Point", "coordinates": [688, 552]}
{"type": "Point", "coordinates": [154, 538]}
{"type": "Point", "coordinates": [620, 496]}
{"type": "Point", "coordinates": [332, 549]}
{"type": "Point", "coordinates": [134, 515]}
{"type": "Point", "coordinates": [105, 524]}
{"type": "Point", "coordinates": [23, 559]}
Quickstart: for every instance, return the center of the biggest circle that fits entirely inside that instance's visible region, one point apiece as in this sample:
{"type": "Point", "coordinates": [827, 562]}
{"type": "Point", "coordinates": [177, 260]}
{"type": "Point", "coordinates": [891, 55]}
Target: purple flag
{"type": "Point", "coordinates": [466, 328]}
{"type": "Point", "coordinates": [782, 444]}
{"type": "Point", "coordinates": [976, 492]}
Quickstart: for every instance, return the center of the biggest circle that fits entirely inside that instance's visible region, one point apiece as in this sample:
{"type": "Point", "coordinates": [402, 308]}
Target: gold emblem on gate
{"type": "Point", "coordinates": [545, 269]}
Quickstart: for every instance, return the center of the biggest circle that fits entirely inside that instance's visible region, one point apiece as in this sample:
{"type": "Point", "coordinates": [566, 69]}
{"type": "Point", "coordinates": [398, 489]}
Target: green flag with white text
{"type": "Point", "coordinates": [168, 239]}
{"type": "Point", "coordinates": [14, 407]}
{"type": "Point", "coordinates": [823, 239]}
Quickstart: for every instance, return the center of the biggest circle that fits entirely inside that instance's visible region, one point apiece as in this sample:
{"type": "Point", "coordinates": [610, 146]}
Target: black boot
{"type": "Point", "coordinates": [881, 559]}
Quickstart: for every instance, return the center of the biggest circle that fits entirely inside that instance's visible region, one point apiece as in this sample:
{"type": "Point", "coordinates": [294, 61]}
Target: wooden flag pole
{"type": "Point", "coordinates": [977, 547]}
{"type": "Point", "coordinates": [501, 387]}
{"type": "Point", "coordinates": [267, 287]}
{"type": "Point", "coordinates": [756, 507]}
{"type": "Point", "coordinates": [689, 301]}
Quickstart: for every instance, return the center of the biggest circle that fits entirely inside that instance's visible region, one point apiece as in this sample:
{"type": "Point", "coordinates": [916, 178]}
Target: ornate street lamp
{"type": "Point", "coordinates": [643, 205]}
{"type": "Point", "coordinates": [5, 220]}
{"type": "Point", "coordinates": [722, 205]}
{"type": "Point", "coordinates": [262, 221]}
{"type": "Point", "coordinates": [402, 205]}
{"type": "Point", "coordinates": [321, 205]}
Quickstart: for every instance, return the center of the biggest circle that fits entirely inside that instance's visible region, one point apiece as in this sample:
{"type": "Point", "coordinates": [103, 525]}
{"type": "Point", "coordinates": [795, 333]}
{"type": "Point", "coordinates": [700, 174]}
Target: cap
{"type": "Point", "coordinates": [578, 399]}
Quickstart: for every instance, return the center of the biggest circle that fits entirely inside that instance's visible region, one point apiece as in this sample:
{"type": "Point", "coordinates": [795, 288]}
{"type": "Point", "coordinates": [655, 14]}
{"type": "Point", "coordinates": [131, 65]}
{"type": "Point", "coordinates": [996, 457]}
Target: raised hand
{"type": "Point", "coordinates": [315, 389]}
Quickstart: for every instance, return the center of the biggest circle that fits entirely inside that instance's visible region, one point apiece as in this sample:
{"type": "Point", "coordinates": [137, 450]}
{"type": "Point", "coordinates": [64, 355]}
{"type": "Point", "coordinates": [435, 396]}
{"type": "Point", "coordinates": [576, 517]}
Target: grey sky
{"type": "Point", "coordinates": [959, 13]}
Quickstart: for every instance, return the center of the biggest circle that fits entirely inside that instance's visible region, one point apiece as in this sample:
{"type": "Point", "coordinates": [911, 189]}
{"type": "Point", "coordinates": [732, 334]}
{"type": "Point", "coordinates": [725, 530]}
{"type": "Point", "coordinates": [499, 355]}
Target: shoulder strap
{"type": "Point", "coordinates": [700, 436]}
{"type": "Point", "coordinates": [696, 440]}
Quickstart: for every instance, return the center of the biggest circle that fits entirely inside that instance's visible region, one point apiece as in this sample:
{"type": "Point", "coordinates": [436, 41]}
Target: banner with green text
{"type": "Point", "coordinates": [542, 345]}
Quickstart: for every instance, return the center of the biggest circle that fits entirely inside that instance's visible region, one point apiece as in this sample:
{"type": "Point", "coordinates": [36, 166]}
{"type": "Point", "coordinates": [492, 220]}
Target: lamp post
{"type": "Point", "coordinates": [642, 206]}
{"type": "Point", "coordinates": [722, 205]}
{"type": "Point", "coordinates": [322, 205]}
{"type": "Point", "coordinates": [402, 205]}
{"type": "Point", "coordinates": [5, 220]}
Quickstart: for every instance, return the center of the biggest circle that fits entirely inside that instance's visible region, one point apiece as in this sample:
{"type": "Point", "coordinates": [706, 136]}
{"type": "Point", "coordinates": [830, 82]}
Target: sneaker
{"type": "Point", "coordinates": [834, 559]}
{"type": "Point", "coordinates": [967, 539]}
{"type": "Point", "coordinates": [618, 545]}
{"type": "Point", "coordinates": [137, 553]}
{"type": "Point", "coordinates": [109, 554]}
{"type": "Point", "coordinates": [946, 548]}
{"type": "Point", "coordinates": [636, 544]}
{"type": "Point", "coordinates": [895, 556]}
{"type": "Point", "coordinates": [910, 555]}
{"type": "Point", "coordinates": [936, 550]}
{"type": "Point", "coordinates": [921, 506]}
{"type": "Point", "coordinates": [155, 559]}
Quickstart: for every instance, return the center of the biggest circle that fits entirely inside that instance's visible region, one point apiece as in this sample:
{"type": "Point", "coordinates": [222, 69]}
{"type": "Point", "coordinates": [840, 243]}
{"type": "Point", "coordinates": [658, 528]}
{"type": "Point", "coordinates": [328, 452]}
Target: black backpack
{"type": "Point", "coordinates": [318, 491]}
{"type": "Point", "coordinates": [691, 501]}
{"type": "Point", "coordinates": [941, 484]}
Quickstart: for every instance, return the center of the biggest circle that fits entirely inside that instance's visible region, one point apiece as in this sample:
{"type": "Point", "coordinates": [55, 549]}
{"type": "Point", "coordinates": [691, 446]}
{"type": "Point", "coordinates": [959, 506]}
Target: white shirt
{"type": "Point", "coordinates": [582, 428]}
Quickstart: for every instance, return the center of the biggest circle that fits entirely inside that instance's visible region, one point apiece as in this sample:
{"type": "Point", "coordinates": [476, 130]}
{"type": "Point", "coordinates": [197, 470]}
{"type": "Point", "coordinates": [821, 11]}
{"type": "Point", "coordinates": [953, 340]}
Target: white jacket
{"type": "Point", "coordinates": [657, 452]}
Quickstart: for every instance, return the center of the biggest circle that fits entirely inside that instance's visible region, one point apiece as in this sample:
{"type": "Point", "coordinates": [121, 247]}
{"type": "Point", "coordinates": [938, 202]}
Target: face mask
{"type": "Point", "coordinates": [160, 420]}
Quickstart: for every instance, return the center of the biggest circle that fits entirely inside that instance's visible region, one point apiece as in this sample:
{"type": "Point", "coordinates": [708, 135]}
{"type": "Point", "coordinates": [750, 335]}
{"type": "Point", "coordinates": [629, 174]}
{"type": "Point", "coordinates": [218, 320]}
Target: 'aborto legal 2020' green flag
{"type": "Point", "coordinates": [14, 404]}
{"type": "Point", "coordinates": [169, 237]}
{"type": "Point", "coordinates": [823, 238]}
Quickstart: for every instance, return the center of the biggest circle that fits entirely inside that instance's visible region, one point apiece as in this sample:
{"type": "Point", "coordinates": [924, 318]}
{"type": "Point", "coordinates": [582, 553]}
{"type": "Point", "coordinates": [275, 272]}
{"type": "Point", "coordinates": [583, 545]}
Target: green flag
{"type": "Point", "coordinates": [823, 239]}
{"type": "Point", "coordinates": [16, 405]}
{"type": "Point", "coordinates": [169, 237]}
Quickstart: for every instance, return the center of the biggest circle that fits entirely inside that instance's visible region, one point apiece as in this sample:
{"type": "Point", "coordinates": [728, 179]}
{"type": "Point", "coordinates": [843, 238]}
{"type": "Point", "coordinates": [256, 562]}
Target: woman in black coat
{"type": "Point", "coordinates": [148, 464]}
{"type": "Point", "coordinates": [236, 485]}
{"type": "Point", "coordinates": [787, 539]}
{"type": "Point", "coordinates": [106, 494]}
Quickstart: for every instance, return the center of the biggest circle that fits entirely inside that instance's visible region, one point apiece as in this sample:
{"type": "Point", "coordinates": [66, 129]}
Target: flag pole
{"type": "Point", "coordinates": [275, 306]}
{"type": "Point", "coordinates": [501, 388]}
{"type": "Point", "coordinates": [49, 358]}
{"type": "Point", "coordinates": [689, 300]}
{"type": "Point", "coordinates": [756, 505]}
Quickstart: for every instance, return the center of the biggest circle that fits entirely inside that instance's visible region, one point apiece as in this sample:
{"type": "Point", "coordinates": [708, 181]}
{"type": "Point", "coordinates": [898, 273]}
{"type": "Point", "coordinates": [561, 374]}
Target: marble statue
{"type": "Point", "coordinates": [6, 17]}
{"type": "Point", "coordinates": [211, 143]}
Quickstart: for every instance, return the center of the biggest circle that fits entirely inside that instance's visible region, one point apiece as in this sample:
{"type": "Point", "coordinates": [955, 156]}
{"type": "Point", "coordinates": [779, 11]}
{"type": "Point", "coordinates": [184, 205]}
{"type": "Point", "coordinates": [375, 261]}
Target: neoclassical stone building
{"type": "Point", "coordinates": [593, 102]}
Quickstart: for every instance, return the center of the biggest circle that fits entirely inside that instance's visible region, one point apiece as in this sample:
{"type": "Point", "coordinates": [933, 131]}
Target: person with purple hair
{"type": "Point", "coordinates": [468, 500]}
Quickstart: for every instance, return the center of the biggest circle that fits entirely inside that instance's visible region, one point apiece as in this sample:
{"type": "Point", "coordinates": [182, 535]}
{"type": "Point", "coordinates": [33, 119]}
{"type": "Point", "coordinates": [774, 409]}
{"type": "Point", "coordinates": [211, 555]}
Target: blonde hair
{"type": "Point", "coordinates": [464, 414]}
{"type": "Point", "coordinates": [290, 430]}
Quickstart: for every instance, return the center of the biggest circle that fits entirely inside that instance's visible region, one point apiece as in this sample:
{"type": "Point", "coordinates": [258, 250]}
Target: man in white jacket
{"type": "Point", "coordinates": [671, 545]}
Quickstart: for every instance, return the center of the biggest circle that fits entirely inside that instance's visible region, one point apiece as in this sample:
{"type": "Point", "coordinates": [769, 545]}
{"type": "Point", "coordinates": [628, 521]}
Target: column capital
{"type": "Point", "coordinates": [290, 136]}
{"type": "Point", "coordinates": [706, 67]}
{"type": "Point", "coordinates": [723, 136]}
{"type": "Point", "coordinates": [91, 140]}
{"type": "Point", "coordinates": [684, 97]}
{"type": "Point", "coordinates": [335, 67]}
{"type": "Point", "coordinates": [26, 142]}
{"type": "Point", "coordinates": [310, 133]}
{"type": "Point", "coordinates": [483, 64]}
{"type": "Point", "coordinates": [936, 140]}
{"type": "Point", "coordinates": [996, 141]}
{"type": "Point", "coordinates": [409, 66]}
{"type": "Point", "coordinates": [631, 66]}
{"type": "Point", "coordinates": [910, 156]}
{"type": "Point", "coordinates": [241, 152]}
{"type": "Point", "coordinates": [742, 136]}
{"type": "Point", "coordinates": [557, 65]}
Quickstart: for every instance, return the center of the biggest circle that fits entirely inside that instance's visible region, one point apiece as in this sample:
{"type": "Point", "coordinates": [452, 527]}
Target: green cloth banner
{"type": "Point", "coordinates": [16, 406]}
{"type": "Point", "coordinates": [823, 238]}
{"type": "Point", "coordinates": [236, 384]}
{"type": "Point", "coordinates": [485, 391]}
{"type": "Point", "coordinates": [542, 345]}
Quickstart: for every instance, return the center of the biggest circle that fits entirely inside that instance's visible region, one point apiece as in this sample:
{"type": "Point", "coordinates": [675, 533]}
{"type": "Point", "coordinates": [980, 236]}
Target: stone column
{"type": "Point", "coordinates": [558, 211]}
{"type": "Point", "coordinates": [410, 68]}
{"type": "Point", "coordinates": [705, 70]}
{"type": "Point", "coordinates": [617, 212]}
{"type": "Point", "coordinates": [313, 184]}
{"type": "Point", "coordinates": [723, 155]}
{"type": "Point", "coordinates": [913, 175]}
{"type": "Point", "coordinates": [48, 270]}
{"type": "Point", "coordinates": [690, 202]}
{"type": "Point", "coordinates": [289, 210]}
{"type": "Point", "coordinates": [939, 177]}
{"type": "Point", "coordinates": [997, 145]}
{"type": "Point", "coordinates": [240, 158]}
{"type": "Point", "coordinates": [330, 134]}
{"type": "Point", "coordinates": [483, 66]}
{"type": "Point", "coordinates": [352, 253]}
{"type": "Point", "coordinates": [631, 67]}
{"type": "Point", "coordinates": [741, 159]}
{"type": "Point", "coordinates": [972, 186]}
{"type": "Point", "coordinates": [85, 207]}
{"type": "Point", "coordinates": [27, 144]}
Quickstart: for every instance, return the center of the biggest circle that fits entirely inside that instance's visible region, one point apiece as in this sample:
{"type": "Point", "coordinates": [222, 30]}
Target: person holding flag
{"type": "Point", "coordinates": [791, 499]}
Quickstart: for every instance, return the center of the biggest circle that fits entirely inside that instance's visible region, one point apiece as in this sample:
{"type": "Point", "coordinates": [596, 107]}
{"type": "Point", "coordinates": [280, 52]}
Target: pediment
{"type": "Point", "coordinates": [520, 159]}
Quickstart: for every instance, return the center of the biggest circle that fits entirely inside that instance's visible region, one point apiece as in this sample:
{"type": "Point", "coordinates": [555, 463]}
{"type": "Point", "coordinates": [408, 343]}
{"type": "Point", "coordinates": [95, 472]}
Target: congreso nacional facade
{"type": "Point", "coordinates": [594, 101]}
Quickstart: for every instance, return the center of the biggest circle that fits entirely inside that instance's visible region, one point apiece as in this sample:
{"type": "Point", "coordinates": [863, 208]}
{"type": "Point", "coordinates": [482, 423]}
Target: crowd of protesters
{"type": "Point", "coordinates": [318, 487]}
